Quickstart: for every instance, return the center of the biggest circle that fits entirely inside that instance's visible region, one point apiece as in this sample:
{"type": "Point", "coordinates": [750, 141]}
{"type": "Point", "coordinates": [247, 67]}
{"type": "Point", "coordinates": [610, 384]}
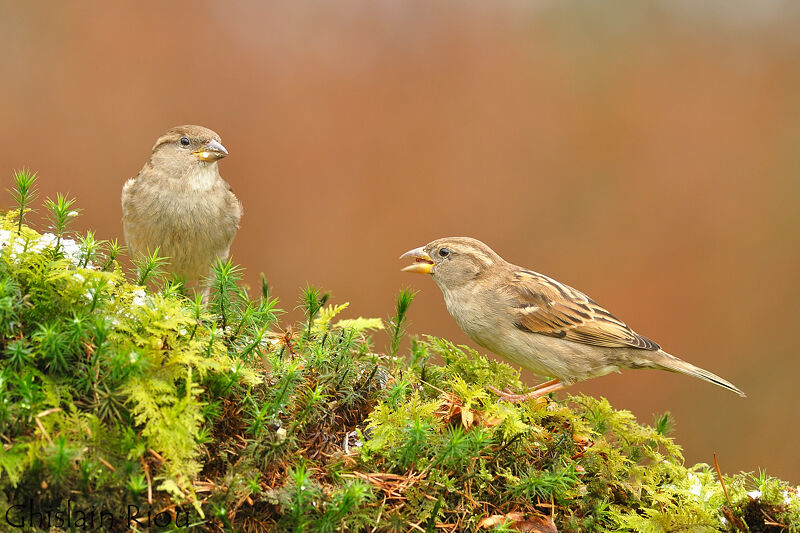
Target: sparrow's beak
{"type": "Point", "coordinates": [211, 151]}
{"type": "Point", "coordinates": [423, 262]}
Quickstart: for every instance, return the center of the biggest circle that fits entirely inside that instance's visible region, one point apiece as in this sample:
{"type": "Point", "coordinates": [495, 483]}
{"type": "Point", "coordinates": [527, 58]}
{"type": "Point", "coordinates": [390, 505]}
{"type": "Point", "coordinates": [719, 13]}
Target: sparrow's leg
{"type": "Point", "coordinates": [545, 384]}
{"type": "Point", "coordinates": [542, 389]}
{"type": "Point", "coordinates": [507, 391]}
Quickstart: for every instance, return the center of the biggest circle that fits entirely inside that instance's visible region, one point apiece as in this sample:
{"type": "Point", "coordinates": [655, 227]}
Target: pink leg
{"type": "Point", "coordinates": [545, 384]}
{"type": "Point", "coordinates": [538, 391]}
{"type": "Point", "coordinates": [508, 391]}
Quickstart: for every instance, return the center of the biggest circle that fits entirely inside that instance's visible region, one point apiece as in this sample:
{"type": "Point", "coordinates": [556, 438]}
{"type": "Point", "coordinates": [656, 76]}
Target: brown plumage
{"type": "Point", "coordinates": [545, 306]}
{"type": "Point", "coordinates": [537, 322]}
{"type": "Point", "coordinates": [180, 204]}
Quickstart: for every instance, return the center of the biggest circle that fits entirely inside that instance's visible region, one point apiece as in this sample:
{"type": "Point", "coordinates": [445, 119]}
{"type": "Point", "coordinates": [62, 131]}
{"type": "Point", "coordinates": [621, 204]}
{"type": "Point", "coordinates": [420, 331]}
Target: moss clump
{"type": "Point", "coordinates": [141, 408]}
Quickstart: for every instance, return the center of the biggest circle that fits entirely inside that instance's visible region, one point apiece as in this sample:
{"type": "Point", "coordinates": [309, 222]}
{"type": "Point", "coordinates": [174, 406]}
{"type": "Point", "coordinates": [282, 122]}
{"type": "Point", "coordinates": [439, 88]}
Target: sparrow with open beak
{"type": "Point", "coordinates": [536, 322]}
{"type": "Point", "coordinates": [180, 204]}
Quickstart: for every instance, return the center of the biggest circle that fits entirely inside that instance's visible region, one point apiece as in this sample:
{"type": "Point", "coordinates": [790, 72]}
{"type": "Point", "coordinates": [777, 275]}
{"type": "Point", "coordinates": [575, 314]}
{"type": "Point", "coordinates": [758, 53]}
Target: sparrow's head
{"type": "Point", "coordinates": [453, 261]}
{"type": "Point", "coordinates": [184, 148]}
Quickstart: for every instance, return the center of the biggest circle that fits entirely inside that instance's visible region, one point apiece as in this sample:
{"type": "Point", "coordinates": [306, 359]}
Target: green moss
{"type": "Point", "coordinates": [114, 394]}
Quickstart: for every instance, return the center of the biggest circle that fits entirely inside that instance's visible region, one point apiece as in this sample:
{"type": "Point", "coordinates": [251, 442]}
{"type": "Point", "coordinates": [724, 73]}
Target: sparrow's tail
{"type": "Point", "coordinates": [665, 361]}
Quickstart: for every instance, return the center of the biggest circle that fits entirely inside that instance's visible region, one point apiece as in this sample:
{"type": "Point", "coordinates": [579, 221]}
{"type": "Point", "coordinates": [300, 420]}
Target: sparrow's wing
{"type": "Point", "coordinates": [234, 203]}
{"type": "Point", "coordinates": [545, 306]}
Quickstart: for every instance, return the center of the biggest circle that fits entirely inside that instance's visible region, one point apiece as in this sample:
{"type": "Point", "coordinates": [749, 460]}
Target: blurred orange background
{"type": "Point", "coordinates": [646, 153]}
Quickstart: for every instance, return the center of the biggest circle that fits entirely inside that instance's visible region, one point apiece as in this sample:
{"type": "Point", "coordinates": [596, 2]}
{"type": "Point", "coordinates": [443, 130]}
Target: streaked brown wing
{"type": "Point", "coordinates": [543, 305]}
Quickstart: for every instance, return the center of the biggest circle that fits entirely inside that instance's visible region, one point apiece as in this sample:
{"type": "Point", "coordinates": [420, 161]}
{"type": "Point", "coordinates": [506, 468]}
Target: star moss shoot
{"type": "Point", "coordinates": [118, 389]}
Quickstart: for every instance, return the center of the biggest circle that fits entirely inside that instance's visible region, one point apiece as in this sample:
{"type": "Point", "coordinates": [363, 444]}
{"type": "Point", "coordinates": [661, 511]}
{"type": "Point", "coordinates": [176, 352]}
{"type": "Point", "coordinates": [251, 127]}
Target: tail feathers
{"type": "Point", "coordinates": [673, 364]}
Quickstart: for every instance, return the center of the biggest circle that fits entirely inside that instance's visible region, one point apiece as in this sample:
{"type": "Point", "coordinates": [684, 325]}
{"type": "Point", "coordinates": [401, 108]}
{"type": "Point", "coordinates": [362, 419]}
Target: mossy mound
{"type": "Point", "coordinates": [124, 407]}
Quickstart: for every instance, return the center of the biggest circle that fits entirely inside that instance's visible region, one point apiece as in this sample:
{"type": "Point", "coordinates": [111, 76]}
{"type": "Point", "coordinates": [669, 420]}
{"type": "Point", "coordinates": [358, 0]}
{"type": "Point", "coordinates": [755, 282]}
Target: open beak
{"type": "Point", "coordinates": [211, 151]}
{"type": "Point", "coordinates": [423, 264]}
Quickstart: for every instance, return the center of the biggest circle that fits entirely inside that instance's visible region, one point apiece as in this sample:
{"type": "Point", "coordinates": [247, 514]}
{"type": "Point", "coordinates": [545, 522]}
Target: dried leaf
{"type": "Point", "coordinates": [497, 519]}
{"type": "Point", "coordinates": [534, 524]}
{"type": "Point", "coordinates": [467, 417]}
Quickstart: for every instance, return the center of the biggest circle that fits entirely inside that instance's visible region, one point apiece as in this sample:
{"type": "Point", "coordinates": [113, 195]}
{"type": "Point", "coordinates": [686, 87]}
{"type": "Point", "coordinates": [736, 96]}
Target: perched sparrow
{"type": "Point", "coordinates": [180, 204]}
{"type": "Point", "coordinates": [535, 321]}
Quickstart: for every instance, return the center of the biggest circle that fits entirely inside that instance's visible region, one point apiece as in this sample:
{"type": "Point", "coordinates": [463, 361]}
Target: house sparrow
{"type": "Point", "coordinates": [536, 322]}
{"type": "Point", "coordinates": [180, 204]}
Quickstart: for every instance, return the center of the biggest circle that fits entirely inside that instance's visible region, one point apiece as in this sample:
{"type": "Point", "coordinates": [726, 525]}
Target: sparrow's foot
{"type": "Point", "coordinates": [497, 391]}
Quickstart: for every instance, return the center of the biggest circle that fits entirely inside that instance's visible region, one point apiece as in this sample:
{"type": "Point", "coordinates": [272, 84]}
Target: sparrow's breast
{"type": "Point", "coordinates": [476, 314]}
{"type": "Point", "coordinates": [482, 315]}
{"type": "Point", "coordinates": [187, 222]}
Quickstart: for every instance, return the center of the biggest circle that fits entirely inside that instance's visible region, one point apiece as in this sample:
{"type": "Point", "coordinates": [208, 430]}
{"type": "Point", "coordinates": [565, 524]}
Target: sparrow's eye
{"type": "Point", "coordinates": [444, 252]}
{"type": "Point", "coordinates": [185, 141]}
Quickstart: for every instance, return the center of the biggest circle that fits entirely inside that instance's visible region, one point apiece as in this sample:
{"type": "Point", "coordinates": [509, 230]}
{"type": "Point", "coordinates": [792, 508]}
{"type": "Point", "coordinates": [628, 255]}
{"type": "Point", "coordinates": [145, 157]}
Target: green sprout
{"type": "Point", "coordinates": [24, 191]}
{"type": "Point", "coordinates": [150, 267]}
{"type": "Point", "coordinates": [397, 324]}
{"type": "Point", "coordinates": [312, 300]}
{"type": "Point", "coordinates": [61, 214]}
